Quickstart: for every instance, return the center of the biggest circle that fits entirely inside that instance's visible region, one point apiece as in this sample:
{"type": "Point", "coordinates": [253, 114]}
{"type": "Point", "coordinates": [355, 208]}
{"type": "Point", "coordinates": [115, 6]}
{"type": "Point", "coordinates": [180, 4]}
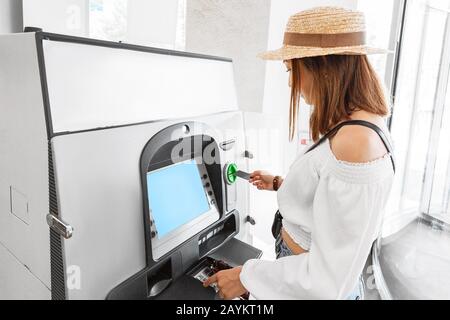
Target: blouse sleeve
{"type": "Point", "coordinates": [347, 211]}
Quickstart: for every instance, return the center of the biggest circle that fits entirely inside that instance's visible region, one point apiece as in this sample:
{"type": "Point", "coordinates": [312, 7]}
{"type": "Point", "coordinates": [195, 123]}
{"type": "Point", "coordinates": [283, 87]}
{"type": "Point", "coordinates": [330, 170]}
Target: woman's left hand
{"type": "Point", "coordinates": [228, 283]}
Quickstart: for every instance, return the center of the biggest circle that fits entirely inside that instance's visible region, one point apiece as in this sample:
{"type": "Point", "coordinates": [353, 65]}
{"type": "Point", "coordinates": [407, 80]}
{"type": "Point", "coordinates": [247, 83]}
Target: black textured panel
{"type": "Point", "coordinates": [57, 267]}
{"type": "Point", "coordinates": [56, 255]}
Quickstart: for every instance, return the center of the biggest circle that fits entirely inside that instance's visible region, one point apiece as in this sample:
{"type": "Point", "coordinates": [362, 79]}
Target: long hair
{"type": "Point", "coordinates": [341, 84]}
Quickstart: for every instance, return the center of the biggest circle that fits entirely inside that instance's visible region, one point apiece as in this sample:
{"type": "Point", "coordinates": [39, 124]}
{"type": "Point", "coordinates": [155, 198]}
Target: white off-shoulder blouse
{"type": "Point", "coordinates": [334, 210]}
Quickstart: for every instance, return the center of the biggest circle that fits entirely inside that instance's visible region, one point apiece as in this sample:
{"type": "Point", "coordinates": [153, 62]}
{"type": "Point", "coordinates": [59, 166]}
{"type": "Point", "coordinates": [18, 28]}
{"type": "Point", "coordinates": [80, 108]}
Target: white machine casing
{"type": "Point", "coordinates": [75, 116]}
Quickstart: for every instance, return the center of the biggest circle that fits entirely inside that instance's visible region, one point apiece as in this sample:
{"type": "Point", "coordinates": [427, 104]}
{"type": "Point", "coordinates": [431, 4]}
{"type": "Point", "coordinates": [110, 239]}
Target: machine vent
{"type": "Point", "coordinates": [56, 254]}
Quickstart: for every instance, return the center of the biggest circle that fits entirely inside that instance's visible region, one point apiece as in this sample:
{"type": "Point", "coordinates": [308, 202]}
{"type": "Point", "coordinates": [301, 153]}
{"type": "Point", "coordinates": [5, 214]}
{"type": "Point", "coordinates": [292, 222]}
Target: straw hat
{"type": "Point", "coordinates": [323, 31]}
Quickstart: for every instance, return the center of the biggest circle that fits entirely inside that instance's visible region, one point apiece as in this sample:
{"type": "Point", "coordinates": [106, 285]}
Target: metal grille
{"type": "Point", "coordinates": [56, 254]}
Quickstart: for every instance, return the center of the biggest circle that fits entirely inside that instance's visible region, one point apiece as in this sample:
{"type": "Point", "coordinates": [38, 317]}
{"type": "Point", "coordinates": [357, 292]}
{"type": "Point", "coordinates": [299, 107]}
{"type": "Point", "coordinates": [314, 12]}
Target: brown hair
{"type": "Point", "coordinates": [341, 84]}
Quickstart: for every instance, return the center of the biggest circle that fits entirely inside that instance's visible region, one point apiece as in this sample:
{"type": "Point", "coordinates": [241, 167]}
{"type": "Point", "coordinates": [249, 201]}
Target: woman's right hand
{"type": "Point", "coordinates": [263, 180]}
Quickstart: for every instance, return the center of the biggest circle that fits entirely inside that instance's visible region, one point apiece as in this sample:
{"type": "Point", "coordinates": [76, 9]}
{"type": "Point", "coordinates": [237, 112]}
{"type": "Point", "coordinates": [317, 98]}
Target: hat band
{"type": "Point", "coordinates": [325, 40]}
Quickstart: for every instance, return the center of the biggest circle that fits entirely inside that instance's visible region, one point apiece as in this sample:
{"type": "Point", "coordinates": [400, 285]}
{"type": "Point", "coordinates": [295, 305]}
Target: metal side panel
{"type": "Point", "coordinates": [23, 159]}
{"type": "Point", "coordinates": [234, 129]}
{"type": "Point", "coordinates": [99, 194]}
{"type": "Point", "coordinates": [268, 145]}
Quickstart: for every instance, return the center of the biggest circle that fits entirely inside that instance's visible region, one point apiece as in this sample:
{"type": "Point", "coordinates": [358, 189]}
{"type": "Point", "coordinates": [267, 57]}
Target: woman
{"type": "Point", "coordinates": [333, 197]}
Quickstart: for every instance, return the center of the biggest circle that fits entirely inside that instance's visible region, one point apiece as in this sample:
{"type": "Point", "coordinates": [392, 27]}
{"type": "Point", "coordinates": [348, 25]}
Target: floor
{"type": "Point", "coordinates": [416, 262]}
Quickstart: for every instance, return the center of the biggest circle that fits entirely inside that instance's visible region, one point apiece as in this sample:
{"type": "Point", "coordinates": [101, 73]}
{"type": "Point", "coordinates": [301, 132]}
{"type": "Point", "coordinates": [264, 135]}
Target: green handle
{"type": "Point", "coordinates": [231, 173]}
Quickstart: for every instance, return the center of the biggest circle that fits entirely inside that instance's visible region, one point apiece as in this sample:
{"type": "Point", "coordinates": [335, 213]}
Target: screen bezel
{"type": "Point", "coordinates": [158, 152]}
{"type": "Point", "coordinates": [163, 245]}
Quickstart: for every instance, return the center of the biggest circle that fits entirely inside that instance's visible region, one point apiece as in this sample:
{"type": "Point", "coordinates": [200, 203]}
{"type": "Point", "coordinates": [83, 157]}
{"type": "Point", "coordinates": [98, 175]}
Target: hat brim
{"type": "Point", "coordinates": [295, 52]}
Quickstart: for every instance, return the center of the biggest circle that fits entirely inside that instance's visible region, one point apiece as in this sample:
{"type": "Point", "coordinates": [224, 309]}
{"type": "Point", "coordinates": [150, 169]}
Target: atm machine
{"type": "Point", "coordinates": [117, 170]}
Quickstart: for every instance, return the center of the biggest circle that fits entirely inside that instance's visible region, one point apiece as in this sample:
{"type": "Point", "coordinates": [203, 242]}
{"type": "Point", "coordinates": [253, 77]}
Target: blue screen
{"type": "Point", "coordinates": [176, 196]}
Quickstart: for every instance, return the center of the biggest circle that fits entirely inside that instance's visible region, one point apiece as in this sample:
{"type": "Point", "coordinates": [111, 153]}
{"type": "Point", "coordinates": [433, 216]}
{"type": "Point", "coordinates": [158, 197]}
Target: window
{"type": "Point", "coordinates": [421, 117]}
{"type": "Point", "coordinates": [108, 19]}
{"type": "Point", "coordinates": [150, 23]}
{"type": "Point", "coordinates": [380, 34]}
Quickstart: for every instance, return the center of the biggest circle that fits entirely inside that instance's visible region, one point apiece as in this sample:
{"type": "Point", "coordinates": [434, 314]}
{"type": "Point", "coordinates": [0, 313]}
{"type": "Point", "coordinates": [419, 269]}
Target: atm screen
{"type": "Point", "coordinates": [176, 196]}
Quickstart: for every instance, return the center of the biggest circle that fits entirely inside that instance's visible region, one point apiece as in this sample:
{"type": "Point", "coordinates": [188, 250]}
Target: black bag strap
{"type": "Point", "coordinates": [363, 123]}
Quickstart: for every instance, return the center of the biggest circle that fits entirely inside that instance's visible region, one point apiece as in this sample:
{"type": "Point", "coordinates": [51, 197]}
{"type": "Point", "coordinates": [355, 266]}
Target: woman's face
{"type": "Point", "coordinates": [305, 83]}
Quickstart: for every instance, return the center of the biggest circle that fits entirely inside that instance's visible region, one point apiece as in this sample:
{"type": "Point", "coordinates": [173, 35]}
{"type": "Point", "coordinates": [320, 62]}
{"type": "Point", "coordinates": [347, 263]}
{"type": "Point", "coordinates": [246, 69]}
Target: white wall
{"type": "Point", "coordinates": [10, 16]}
{"type": "Point", "coordinates": [236, 29]}
{"type": "Point", "coordinates": [152, 22]}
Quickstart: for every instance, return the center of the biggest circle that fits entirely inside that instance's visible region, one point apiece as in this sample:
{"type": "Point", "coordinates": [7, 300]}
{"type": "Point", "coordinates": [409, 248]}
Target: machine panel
{"type": "Point", "coordinates": [93, 86]}
{"type": "Point", "coordinates": [100, 196]}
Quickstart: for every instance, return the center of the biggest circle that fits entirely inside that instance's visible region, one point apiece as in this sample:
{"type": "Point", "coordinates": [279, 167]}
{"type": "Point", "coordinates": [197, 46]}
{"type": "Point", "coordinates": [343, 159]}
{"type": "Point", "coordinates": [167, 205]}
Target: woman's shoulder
{"type": "Point", "coordinates": [358, 144]}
